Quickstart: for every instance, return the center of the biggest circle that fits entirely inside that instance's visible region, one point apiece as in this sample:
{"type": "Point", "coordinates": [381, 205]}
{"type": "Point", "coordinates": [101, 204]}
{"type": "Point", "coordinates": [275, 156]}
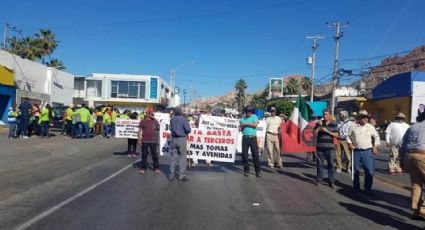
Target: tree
{"type": "Point", "coordinates": [259, 100]}
{"type": "Point", "coordinates": [284, 106]}
{"type": "Point", "coordinates": [47, 42]}
{"type": "Point", "coordinates": [306, 84]}
{"type": "Point", "coordinates": [36, 47]}
{"type": "Point", "coordinates": [240, 93]}
{"type": "Point", "coordinates": [292, 87]}
{"type": "Point", "coordinates": [56, 63]}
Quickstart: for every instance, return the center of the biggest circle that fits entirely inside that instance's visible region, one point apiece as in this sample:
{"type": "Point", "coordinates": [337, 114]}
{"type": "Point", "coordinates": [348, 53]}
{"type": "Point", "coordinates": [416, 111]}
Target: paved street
{"type": "Point", "coordinates": [38, 175]}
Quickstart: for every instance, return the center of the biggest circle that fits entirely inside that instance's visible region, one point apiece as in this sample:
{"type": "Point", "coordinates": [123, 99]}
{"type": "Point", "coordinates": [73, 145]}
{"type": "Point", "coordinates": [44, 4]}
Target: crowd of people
{"type": "Point", "coordinates": [344, 144]}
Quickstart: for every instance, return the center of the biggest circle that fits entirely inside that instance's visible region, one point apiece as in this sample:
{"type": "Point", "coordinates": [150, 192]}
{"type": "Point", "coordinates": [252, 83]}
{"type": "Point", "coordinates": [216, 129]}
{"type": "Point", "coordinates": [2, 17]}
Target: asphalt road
{"type": "Point", "coordinates": [37, 175]}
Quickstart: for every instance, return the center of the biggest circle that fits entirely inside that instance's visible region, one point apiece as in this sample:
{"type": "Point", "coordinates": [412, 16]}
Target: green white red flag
{"type": "Point", "coordinates": [297, 132]}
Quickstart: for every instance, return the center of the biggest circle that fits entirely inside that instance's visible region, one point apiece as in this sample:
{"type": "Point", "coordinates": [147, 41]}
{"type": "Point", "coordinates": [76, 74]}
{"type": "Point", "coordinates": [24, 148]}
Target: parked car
{"type": "Point", "coordinates": [58, 118]}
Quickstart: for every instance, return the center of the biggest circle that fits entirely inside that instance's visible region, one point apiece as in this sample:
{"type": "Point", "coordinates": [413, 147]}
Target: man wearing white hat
{"type": "Point", "coordinates": [359, 139]}
{"type": "Point", "coordinates": [393, 136]}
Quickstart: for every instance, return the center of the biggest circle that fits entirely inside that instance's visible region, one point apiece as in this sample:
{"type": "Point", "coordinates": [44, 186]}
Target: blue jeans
{"type": "Point", "coordinates": [84, 126]}
{"type": "Point", "coordinates": [364, 157]}
{"type": "Point", "coordinates": [329, 156]}
{"type": "Point", "coordinates": [24, 125]}
{"type": "Point", "coordinates": [12, 130]}
{"type": "Point", "coordinates": [106, 130]}
{"type": "Point", "coordinates": [44, 128]}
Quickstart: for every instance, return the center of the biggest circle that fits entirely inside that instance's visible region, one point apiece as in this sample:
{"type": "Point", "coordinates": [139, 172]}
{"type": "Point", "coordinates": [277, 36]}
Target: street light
{"type": "Point", "coordinates": [173, 74]}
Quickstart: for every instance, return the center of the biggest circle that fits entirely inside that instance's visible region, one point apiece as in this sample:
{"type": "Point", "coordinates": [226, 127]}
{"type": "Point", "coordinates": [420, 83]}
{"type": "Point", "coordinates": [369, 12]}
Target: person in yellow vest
{"type": "Point", "coordinates": [11, 120]}
{"type": "Point", "coordinates": [68, 119]}
{"type": "Point", "coordinates": [84, 119]}
{"type": "Point", "coordinates": [125, 115]}
{"type": "Point", "coordinates": [106, 124]}
{"type": "Point", "coordinates": [114, 115]}
{"type": "Point", "coordinates": [45, 117]}
{"type": "Point", "coordinates": [91, 121]}
{"type": "Point", "coordinates": [142, 115]}
{"type": "Point", "coordinates": [98, 129]}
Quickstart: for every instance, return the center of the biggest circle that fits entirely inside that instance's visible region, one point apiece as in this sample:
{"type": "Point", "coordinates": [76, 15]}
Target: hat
{"type": "Point", "coordinates": [71, 106]}
{"type": "Point", "coordinates": [362, 113]}
{"type": "Point", "coordinates": [149, 110]}
{"type": "Point", "coordinates": [400, 115]}
{"type": "Point", "coordinates": [248, 109]}
{"type": "Point", "coordinates": [272, 109]}
{"type": "Point", "coordinates": [344, 113]}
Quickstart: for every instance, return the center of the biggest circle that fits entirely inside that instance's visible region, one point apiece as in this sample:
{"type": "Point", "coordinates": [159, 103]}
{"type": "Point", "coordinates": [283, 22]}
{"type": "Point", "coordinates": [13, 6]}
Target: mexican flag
{"type": "Point", "coordinates": [298, 131]}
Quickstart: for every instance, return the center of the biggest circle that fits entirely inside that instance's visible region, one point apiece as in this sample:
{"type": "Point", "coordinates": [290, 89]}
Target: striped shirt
{"type": "Point", "coordinates": [324, 139]}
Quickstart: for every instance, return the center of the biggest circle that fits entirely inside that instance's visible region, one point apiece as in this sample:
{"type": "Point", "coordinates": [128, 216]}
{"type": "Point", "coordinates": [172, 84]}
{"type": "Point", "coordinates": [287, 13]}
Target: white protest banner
{"type": "Point", "coordinates": [164, 132]}
{"type": "Point", "coordinates": [214, 145]}
{"type": "Point", "coordinates": [126, 128]}
{"type": "Point", "coordinates": [207, 122]}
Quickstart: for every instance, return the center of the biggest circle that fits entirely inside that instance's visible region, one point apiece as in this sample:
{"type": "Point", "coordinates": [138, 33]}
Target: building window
{"type": "Point", "coordinates": [94, 88]}
{"type": "Point", "coordinates": [128, 89]}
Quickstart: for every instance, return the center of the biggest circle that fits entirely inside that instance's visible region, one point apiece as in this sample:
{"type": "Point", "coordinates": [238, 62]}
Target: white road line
{"type": "Point", "coordinates": [69, 200]}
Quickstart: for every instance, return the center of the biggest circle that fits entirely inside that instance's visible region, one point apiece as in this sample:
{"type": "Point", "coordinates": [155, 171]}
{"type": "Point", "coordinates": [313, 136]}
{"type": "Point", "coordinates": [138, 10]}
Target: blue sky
{"type": "Point", "coordinates": [226, 40]}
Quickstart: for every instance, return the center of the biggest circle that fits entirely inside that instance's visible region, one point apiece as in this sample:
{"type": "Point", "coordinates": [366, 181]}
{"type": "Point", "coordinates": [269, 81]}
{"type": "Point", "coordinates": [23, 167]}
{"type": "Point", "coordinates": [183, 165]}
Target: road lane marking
{"type": "Point", "coordinates": [69, 200]}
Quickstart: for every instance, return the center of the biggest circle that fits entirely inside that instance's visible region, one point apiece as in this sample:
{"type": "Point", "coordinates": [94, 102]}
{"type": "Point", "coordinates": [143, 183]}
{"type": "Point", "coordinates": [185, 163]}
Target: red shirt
{"type": "Point", "coordinates": [149, 127]}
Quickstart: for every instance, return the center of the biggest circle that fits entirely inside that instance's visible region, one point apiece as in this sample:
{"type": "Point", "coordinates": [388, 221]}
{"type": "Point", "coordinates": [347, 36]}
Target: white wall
{"type": "Point", "coordinates": [61, 87]}
{"type": "Point", "coordinates": [29, 75]}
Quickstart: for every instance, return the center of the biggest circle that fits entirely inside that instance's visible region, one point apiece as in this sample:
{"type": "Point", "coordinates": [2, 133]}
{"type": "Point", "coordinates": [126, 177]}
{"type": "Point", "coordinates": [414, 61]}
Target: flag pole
{"type": "Point", "coordinates": [352, 164]}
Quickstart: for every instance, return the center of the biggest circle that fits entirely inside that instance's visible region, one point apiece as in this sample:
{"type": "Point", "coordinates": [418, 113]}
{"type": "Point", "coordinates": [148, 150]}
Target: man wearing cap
{"type": "Point", "coordinates": [180, 128]}
{"type": "Point", "coordinates": [248, 125]}
{"type": "Point", "coordinates": [344, 127]}
{"type": "Point", "coordinates": [360, 141]}
{"type": "Point", "coordinates": [272, 139]}
{"type": "Point", "coordinates": [393, 136]}
{"type": "Point", "coordinates": [412, 155]}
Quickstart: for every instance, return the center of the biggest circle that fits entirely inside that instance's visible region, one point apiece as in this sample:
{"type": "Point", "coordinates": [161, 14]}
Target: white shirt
{"type": "Point", "coordinates": [395, 132]}
{"type": "Point", "coordinates": [273, 124]}
{"type": "Point", "coordinates": [344, 128]}
{"type": "Point", "coordinates": [361, 136]}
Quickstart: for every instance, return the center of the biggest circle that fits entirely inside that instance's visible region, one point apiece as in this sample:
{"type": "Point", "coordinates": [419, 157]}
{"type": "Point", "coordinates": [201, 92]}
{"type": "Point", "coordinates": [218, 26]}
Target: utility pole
{"type": "Point", "coordinates": [313, 64]}
{"type": "Point", "coordinates": [335, 77]}
{"type": "Point", "coordinates": [5, 36]}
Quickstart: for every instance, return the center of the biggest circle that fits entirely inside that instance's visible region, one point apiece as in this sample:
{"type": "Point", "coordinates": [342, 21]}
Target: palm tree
{"type": "Point", "coordinates": [306, 84]}
{"type": "Point", "coordinates": [47, 42]}
{"type": "Point", "coordinates": [56, 63]}
{"type": "Point", "coordinates": [240, 93]}
{"type": "Point", "coordinates": [292, 87]}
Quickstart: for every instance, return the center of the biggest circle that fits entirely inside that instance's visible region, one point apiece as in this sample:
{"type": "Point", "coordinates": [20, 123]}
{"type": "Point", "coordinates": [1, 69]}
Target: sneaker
{"type": "Point", "coordinates": [258, 175]}
{"type": "Point", "coordinates": [331, 185]}
{"type": "Point", "coordinates": [392, 173]}
{"type": "Point", "coordinates": [246, 174]}
{"type": "Point", "coordinates": [157, 171]}
{"type": "Point", "coordinates": [348, 171]}
{"type": "Point", "coordinates": [130, 155]}
{"type": "Point", "coordinates": [184, 179]}
{"type": "Point", "coordinates": [142, 171]}
{"type": "Point", "coordinates": [338, 170]}
{"type": "Point", "coordinates": [318, 183]}
{"type": "Point", "coordinates": [133, 155]}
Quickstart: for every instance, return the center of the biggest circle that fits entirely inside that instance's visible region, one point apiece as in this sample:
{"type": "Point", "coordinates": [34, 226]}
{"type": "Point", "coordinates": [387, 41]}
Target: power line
{"type": "Point", "coordinates": [191, 17]}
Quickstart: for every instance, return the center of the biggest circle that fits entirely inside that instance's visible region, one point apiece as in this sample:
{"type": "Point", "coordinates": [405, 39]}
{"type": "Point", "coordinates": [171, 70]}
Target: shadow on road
{"type": "Point", "coordinates": [378, 217]}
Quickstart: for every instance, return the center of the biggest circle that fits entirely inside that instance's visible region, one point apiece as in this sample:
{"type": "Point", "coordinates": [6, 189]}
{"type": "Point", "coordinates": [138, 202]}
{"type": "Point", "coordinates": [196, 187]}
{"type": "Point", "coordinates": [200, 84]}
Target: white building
{"type": "Point", "coordinates": [38, 83]}
{"type": "Point", "coordinates": [123, 91]}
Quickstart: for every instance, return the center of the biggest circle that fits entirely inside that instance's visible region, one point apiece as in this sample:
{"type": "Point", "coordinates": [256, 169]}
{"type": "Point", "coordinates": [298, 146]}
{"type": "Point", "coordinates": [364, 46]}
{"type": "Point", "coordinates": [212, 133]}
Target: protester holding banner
{"type": "Point", "coordinates": [180, 128]}
{"type": "Point", "coordinates": [360, 141]}
{"type": "Point", "coordinates": [248, 123]}
{"type": "Point", "coordinates": [272, 139]}
{"type": "Point", "coordinates": [147, 139]}
{"type": "Point", "coordinates": [326, 130]}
